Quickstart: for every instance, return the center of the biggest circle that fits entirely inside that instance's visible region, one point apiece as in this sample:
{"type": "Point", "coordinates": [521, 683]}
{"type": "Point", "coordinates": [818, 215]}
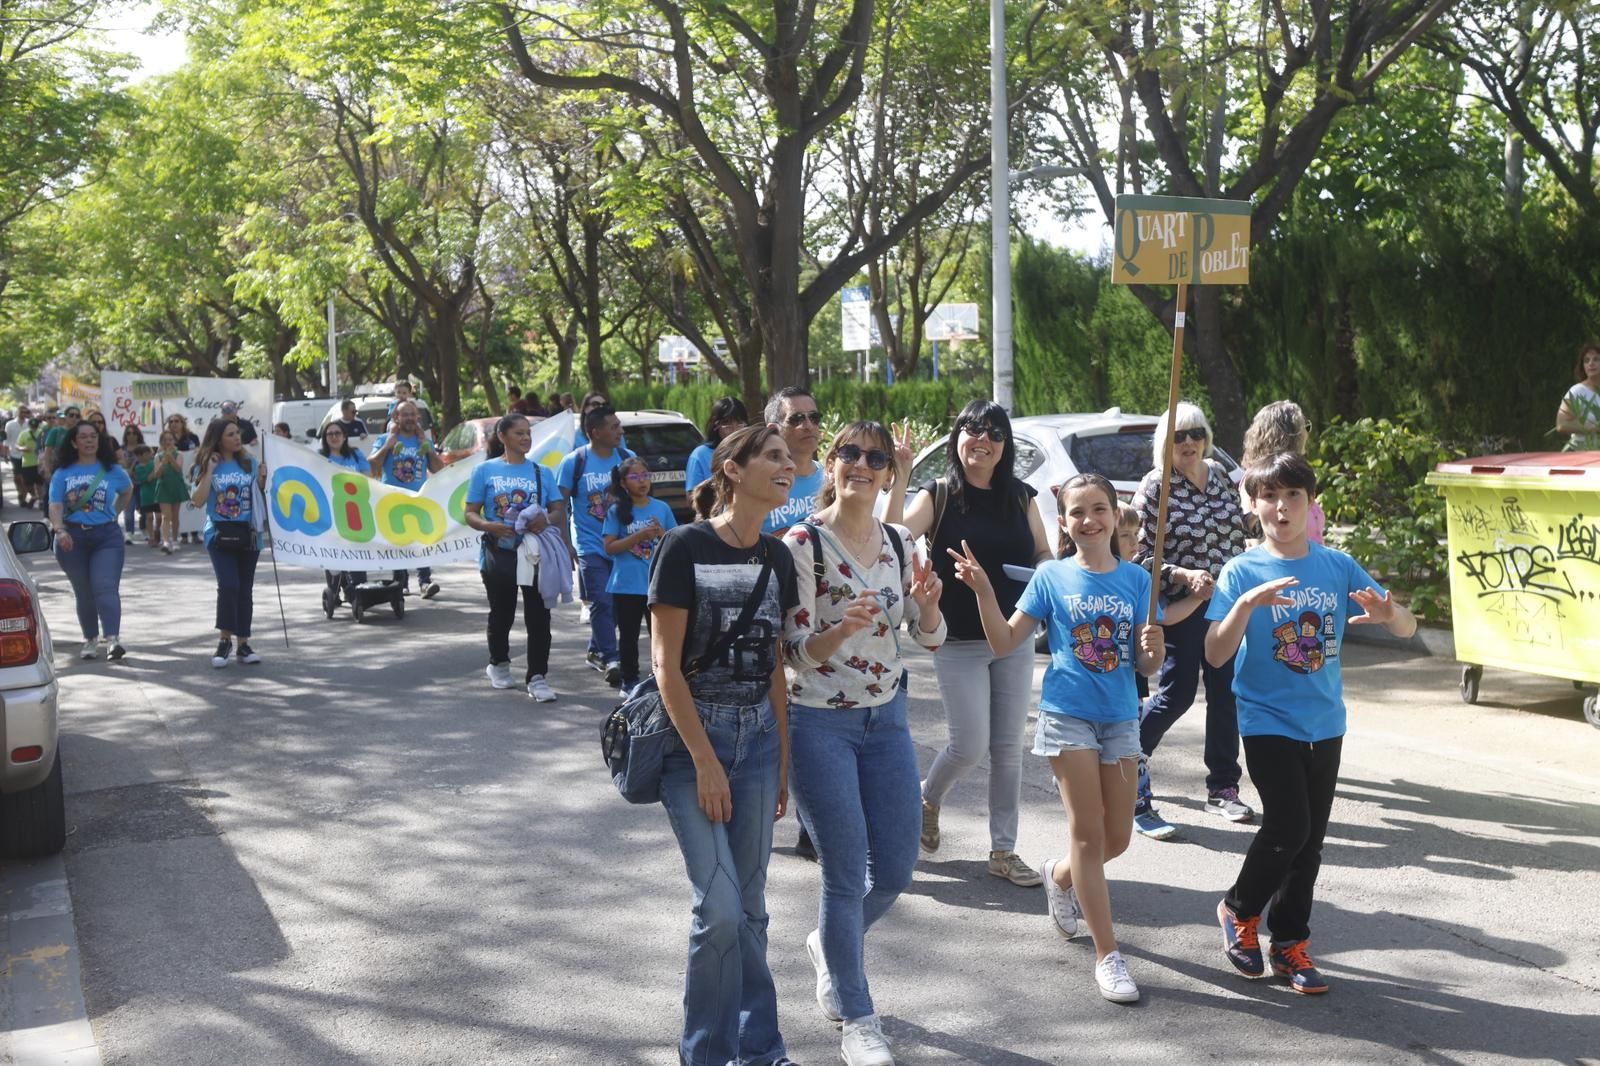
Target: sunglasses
{"type": "Point", "coordinates": [850, 455]}
{"type": "Point", "coordinates": [636, 477]}
{"type": "Point", "coordinates": [994, 433]}
{"type": "Point", "coordinates": [814, 417]}
{"type": "Point", "coordinates": [1182, 435]}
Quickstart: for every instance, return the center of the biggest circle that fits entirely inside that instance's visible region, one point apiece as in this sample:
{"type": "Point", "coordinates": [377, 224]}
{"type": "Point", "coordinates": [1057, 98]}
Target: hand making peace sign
{"type": "Point", "coordinates": [904, 451]}
{"type": "Point", "coordinates": [968, 572]}
{"type": "Point", "coordinates": [925, 584]}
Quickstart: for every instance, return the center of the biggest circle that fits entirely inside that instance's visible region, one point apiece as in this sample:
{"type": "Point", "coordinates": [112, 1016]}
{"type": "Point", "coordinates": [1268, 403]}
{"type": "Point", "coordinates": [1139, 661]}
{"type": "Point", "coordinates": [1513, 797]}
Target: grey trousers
{"type": "Point", "coordinates": [986, 708]}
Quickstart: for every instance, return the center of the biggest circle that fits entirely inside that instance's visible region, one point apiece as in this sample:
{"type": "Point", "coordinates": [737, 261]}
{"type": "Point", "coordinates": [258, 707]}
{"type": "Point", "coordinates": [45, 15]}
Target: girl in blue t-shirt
{"type": "Point", "coordinates": [631, 532]}
{"type": "Point", "coordinates": [87, 492]}
{"type": "Point", "coordinates": [1097, 609]}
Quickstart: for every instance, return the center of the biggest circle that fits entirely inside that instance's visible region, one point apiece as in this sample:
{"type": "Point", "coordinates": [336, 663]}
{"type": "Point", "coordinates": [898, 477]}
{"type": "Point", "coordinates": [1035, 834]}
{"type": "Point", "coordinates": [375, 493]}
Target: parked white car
{"type": "Point", "coordinates": [33, 818]}
{"type": "Point", "coordinates": [1052, 448]}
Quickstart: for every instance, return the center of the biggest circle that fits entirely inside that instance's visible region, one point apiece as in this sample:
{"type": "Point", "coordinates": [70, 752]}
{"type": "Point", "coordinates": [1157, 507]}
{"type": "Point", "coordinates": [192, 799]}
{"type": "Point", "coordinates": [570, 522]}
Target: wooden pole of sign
{"type": "Point", "coordinates": [1178, 318]}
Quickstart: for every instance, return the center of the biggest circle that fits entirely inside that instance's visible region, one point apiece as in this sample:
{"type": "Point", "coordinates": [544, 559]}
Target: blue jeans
{"type": "Point", "coordinates": [130, 514]}
{"type": "Point", "coordinates": [236, 579]}
{"type": "Point", "coordinates": [424, 575]}
{"type": "Point", "coordinates": [602, 617]}
{"type": "Point", "coordinates": [730, 1007]}
{"type": "Point", "coordinates": [854, 775]}
{"type": "Point", "coordinates": [94, 569]}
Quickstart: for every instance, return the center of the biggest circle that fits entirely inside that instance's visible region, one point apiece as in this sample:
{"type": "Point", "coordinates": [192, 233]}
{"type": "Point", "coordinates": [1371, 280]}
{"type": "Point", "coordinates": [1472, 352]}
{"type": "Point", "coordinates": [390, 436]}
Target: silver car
{"type": "Point", "coordinates": [32, 810]}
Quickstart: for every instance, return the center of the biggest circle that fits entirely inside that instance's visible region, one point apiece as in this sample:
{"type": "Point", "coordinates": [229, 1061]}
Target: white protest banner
{"type": "Point", "coordinates": [147, 400]}
{"type": "Point", "coordinates": [331, 517]}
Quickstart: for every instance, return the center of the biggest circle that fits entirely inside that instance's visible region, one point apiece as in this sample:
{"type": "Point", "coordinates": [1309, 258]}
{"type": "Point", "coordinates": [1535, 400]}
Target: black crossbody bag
{"type": "Point", "coordinates": [634, 737]}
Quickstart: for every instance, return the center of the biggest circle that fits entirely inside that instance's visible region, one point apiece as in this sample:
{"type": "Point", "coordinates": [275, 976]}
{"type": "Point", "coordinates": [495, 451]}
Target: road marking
{"type": "Point", "coordinates": [41, 979]}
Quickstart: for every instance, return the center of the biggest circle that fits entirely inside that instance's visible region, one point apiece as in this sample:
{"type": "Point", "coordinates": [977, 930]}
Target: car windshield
{"type": "Point", "coordinates": [1114, 456]}
{"type": "Point", "coordinates": [663, 445]}
{"type": "Point", "coordinates": [463, 437]}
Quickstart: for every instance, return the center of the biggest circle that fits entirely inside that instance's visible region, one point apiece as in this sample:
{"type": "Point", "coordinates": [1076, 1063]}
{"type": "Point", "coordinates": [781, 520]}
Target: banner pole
{"type": "Point", "coordinates": [1178, 321]}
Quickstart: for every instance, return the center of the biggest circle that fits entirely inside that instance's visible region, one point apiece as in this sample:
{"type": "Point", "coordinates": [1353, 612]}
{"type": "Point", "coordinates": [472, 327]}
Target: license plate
{"type": "Point", "coordinates": [666, 477]}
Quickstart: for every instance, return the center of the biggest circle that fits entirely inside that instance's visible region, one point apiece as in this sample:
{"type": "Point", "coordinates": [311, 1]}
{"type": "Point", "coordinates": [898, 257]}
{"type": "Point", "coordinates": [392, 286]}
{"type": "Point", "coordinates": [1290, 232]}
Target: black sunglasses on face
{"type": "Point", "coordinates": [994, 433]}
{"type": "Point", "coordinates": [850, 455]}
{"type": "Point", "coordinates": [1182, 435]}
{"type": "Point", "coordinates": [814, 417]}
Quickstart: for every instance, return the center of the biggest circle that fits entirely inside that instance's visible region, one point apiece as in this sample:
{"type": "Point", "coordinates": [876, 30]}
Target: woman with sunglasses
{"type": "Point", "coordinates": [988, 509]}
{"type": "Point", "coordinates": [854, 768]}
{"type": "Point", "coordinates": [1205, 529]}
{"type": "Point", "coordinates": [728, 415]}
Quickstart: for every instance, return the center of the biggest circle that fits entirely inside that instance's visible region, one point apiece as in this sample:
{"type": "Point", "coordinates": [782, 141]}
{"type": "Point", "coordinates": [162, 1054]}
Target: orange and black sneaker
{"type": "Point", "coordinates": [1240, 941]}
{"type": "Point", "coordinates": [1292, 961]}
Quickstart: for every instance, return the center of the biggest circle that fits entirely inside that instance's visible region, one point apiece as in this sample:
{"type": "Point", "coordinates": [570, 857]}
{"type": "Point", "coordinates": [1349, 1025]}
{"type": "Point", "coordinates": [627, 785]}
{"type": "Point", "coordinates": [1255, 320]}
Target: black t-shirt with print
{"type": "Point", "coordinates": [699, 571]}
{"type": "Point", "coordinates": [996, 527]}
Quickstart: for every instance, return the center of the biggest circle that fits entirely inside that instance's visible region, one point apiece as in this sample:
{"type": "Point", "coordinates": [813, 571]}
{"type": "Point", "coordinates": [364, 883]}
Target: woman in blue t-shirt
{"type": "Point", "coordinates": [1097, 607]}
{"type": "Point", "coordinates": [336, 448]}
{"type": "Point", "coordinates": [87, 492]}
{"type": "Point", "coordinates": [631, 533]}
{"type": "Point", "coordinates": [226, 477]}
{"type": "Point", "coordinates": [728, 415]}
{"type": "Point", "coordinates": [503, 485]}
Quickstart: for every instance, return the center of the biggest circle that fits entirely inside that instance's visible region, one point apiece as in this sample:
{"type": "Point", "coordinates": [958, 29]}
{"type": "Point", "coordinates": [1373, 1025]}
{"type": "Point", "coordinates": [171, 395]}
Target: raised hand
{"type": "Point", "coordinates": [1379, 609]}
{"type": "Point", "coordinates": [861, 613]}
{"type": "Point", "coordinates": [968, 572]}
{"type": "Point", "coordinates": [925, 584]}
{"type": "Point", "coordinates": [904, 450]}
{"type": "Point", "coordinates": [1270, 593]}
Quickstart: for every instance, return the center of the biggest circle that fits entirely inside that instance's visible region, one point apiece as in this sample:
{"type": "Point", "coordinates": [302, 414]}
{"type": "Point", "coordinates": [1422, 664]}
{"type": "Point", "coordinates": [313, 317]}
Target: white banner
{"type": "Point", "coordinates": [197, 399]}
{"type": "Point", "coordinates": [331, 517]}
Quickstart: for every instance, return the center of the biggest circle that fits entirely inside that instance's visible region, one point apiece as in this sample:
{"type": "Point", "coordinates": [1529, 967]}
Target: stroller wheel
{"type": "Point", "coordinates": [399, 605]}
{"type": "Point", "coordinates": [330, 600]}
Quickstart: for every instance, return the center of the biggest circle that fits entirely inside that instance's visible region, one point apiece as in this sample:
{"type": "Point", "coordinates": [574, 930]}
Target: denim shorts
{"type": "Point", "coordinates": [1115, 741]}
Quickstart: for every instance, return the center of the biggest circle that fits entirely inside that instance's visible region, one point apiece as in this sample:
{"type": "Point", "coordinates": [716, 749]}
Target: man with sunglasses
{"type": "Point", "coordinates": [794, 410]}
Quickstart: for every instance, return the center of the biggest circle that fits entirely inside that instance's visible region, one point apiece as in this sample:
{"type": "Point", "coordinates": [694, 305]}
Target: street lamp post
{"type": "Point", "coordinates": [1000, 208]}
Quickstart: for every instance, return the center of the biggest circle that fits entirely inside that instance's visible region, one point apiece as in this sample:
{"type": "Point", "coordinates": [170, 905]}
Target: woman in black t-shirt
{"type": "Point", "coordinates": [986, 697]}
{"type": "Point", "coordinates": [724, 780]}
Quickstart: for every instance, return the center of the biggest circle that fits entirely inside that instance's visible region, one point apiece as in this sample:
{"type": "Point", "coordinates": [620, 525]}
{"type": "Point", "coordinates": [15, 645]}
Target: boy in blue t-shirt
{"type": "Point", "coordinates": [1283, 606]}
{"type": "Point", "coordinates": [585, 480]}
{"type": "Point", "coordinates": [404, 458]}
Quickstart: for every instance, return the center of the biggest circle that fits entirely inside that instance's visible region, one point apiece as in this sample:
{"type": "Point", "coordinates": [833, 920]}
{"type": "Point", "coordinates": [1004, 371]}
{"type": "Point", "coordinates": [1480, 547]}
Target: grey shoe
{"type": "Point", "coordinates": [1009, 865]}
{"type": "Point", "coordinates": [1227, 803]}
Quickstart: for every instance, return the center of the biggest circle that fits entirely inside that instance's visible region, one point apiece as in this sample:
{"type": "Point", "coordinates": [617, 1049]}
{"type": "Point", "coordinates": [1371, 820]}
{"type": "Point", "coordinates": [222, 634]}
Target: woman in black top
{"type": "Point", "coordinates": [724, 780]}
{"type": "Point", "coordinates": [985, 697]}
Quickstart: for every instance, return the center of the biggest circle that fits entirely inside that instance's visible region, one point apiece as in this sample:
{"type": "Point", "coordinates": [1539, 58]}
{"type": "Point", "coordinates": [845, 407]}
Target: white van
{"type": "Point", "coordinates": [304, 417]}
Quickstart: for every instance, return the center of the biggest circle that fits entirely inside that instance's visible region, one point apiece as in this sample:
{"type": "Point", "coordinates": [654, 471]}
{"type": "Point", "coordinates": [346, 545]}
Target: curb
{"type": "Point", "coordinates": [41, 984]}
{"type": "Point", "coordinates": [1427, 640]}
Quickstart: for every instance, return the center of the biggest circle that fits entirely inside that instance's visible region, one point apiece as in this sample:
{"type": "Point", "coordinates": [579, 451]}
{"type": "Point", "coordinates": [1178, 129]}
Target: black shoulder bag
{"type": "Point", "coordinates": [634, 737]}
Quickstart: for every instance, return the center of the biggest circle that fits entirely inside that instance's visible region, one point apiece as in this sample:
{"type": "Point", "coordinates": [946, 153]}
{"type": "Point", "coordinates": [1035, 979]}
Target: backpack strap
{"type": "Point", "coordinates": [817, 569]}
{"type": "Point", "coordinates": [899, 547]}
{"type": "Point", "coordinates": [941, 498]}
{"type": "Point", "coordinates": [581, 458]}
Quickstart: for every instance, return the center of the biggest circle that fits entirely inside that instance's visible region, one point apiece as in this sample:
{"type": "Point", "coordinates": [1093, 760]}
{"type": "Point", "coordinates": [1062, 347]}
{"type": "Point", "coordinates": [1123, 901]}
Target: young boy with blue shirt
{"type": "Point", "coordinates": [1283, 605]}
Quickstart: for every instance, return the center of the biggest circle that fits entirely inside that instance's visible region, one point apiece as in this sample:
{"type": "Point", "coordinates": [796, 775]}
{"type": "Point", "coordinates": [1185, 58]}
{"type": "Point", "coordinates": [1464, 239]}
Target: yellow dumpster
{"type": "Point", "coordinates": [1524, 544]}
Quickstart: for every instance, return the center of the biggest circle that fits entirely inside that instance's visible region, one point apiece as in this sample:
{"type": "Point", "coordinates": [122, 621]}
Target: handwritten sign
{"type": "Point", "coordinates": [1165, 240]}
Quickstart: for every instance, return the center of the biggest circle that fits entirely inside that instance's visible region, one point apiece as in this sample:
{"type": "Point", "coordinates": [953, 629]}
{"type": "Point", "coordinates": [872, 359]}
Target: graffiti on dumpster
{"type": "Point", "coordinates": [1579, 540]}
{"type": "Point", "coordinates": [1527, 621]}
{"type": "Point", "coordinates": [1517, 520]}
{"type": "Point", "coordinates": [1517, 569]}
{"type": "Point", "coordinates": [1471, 518]}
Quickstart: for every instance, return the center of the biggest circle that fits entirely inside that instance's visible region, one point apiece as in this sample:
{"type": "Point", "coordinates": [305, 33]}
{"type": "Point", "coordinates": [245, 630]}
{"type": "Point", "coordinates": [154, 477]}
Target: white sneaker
{"type": "Point", "coordinates": [500, 675]}
{"type": "Point", "coordinates": [540, 689]}
{"type": "Point", "coordinates": [583, 614]}
{"type": "Point", "coordinates": [1111, 973]}
{"type": "Point", "coordinates": [90, 649]}
{"type": "Point", "coordinates": [827, 998]}
{"type": "Point", "coordinates": [1062, 903]}
{"type": "Point", "coordinates": [864, 1043]}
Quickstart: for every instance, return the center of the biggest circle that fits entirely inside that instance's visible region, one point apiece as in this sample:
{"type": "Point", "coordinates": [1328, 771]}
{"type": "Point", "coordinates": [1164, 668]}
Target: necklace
{"type": "Point", "coordinates": [860, 547]}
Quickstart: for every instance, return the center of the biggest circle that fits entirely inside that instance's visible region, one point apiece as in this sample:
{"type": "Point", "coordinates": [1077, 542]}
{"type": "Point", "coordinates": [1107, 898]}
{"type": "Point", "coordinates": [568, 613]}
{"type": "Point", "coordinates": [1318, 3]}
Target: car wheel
{"type": "Point", "coordinates": [33, 823]}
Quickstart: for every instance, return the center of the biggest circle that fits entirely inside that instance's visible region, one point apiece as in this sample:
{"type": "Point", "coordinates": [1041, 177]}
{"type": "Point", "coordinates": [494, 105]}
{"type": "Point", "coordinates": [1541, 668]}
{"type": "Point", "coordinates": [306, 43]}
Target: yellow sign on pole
{"type": "Point", "coordinates": [1171, 240]}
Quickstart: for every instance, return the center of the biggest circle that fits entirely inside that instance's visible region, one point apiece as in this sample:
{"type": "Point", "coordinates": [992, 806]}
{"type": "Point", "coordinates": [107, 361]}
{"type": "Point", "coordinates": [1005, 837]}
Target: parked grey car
{"type": "Point", "coordinates": [32, 810]}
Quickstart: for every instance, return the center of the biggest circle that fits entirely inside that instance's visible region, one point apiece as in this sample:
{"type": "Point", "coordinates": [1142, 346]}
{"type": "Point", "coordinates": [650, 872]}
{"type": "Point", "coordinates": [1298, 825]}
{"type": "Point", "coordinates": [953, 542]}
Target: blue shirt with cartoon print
{"type": "Point", "coordinates": [231, 496]}
{"type": "Point", "coordinates": [1093, 620]}
{"type": "Point", "coordinates": [69, 483]}
{"type": "Point", "coordinates": [592, 499]}
{"type": "Point", "coordinates": [505, 488]}
{"type": "Point", "coordinates": [630, 570]}
{"type": "Point", "coordinates": [406, 466]}
{"type": "Point", "coordinates": [1287, 677]}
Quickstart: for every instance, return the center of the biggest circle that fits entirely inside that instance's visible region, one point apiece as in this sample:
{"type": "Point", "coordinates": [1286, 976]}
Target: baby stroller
{"type": "Point", "coordinates": [353, 588]}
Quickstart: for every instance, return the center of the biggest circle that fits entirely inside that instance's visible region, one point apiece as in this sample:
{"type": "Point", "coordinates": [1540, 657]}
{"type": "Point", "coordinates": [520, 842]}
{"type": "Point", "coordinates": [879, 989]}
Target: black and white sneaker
{"type": "Point", "coordinates": [596, 663]}
{"type": "Point", "coordinates": [247, 654]}
{"type": "Point", "coordinates": [115, 650]}
{"type": "Point", "coordinates": [224, 654]}
{"type": "Point", "coordinates": [430, 590]}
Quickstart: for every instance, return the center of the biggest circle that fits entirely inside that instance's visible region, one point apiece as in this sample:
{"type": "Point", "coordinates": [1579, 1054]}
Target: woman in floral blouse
{"type": "Point", "coordinates": [853, 767]}
{"type": "Point", "coordinates": [1205, 529]}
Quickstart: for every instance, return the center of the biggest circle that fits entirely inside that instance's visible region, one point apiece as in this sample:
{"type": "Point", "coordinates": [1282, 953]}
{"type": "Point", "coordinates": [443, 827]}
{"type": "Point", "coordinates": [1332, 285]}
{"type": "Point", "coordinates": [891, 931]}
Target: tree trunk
{"type": "Point", "coordinates": [1216, 369]}
{"type": "Point", "coordinates": [447, 341]}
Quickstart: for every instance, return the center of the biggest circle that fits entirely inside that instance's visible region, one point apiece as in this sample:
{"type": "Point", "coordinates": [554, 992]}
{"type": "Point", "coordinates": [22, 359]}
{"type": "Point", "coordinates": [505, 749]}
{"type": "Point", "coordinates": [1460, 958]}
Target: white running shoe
{"type": "Point", "coordinates": [1111, 973]}
{"type": "Point", "coordinates": [1062, 903]}
{"type": "Point", "coordinates": [90, 649]}
{"type": "Point", "coordinates": [540, 689]}
{"type": "Point", "coordinates": [827, 998]}
{"type": "Point", "coordinates": [500, 675]}
{"type": "Point", "coordinates": [864, 1043]}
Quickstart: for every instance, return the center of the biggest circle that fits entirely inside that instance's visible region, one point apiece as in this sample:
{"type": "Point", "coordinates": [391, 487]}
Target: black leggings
{"type": "Point", "coordinates": [632, 612]}
{"type": "Point", "coordinates": [535, 618]}
{"type": "Point", "coordinates": [1296, 782]}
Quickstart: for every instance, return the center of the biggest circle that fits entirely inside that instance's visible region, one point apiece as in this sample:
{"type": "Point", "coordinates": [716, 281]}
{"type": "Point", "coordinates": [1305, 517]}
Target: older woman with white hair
{"type": "Point", "coordinates": [1205, 528]}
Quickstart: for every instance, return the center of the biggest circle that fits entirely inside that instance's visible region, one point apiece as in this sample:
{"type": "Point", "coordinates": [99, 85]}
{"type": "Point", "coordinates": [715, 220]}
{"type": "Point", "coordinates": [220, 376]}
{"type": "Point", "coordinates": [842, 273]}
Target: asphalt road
{"type": "Point", "coordinates": [357, 852]}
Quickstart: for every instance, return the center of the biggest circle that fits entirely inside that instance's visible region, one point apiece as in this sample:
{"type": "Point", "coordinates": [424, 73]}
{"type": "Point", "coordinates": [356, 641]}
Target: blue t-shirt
{"type": "Point", "coordinates": [802, 502]}
{"type": "Point", "coordinates": [1287, 676]}
{"type": "Point", "coordinates": [1093, 620]}
{"type": "Point", "coordinates": [355, 461]}
{"type": "Point", "coordinates": [698, 467]}
{"type": "Point", "coordinates": [592, 499]}
{"type": "Point", "coordinates": [407, 466]}
{"type": "Point", "coordinates": [68, 484]}
{"type": "Point", "coordinates": [630, 570]}
{"type": "Point", "coordinates": [505, 488]}
{"type": "Point", "coordinates": [231, 497]}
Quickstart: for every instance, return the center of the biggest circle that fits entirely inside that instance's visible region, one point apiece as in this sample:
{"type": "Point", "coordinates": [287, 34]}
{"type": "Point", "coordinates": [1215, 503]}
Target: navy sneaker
{"type": "Point", "coordinates": [1240, 942]}
{"type": "Point", "coordinates": [1292, 961]}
